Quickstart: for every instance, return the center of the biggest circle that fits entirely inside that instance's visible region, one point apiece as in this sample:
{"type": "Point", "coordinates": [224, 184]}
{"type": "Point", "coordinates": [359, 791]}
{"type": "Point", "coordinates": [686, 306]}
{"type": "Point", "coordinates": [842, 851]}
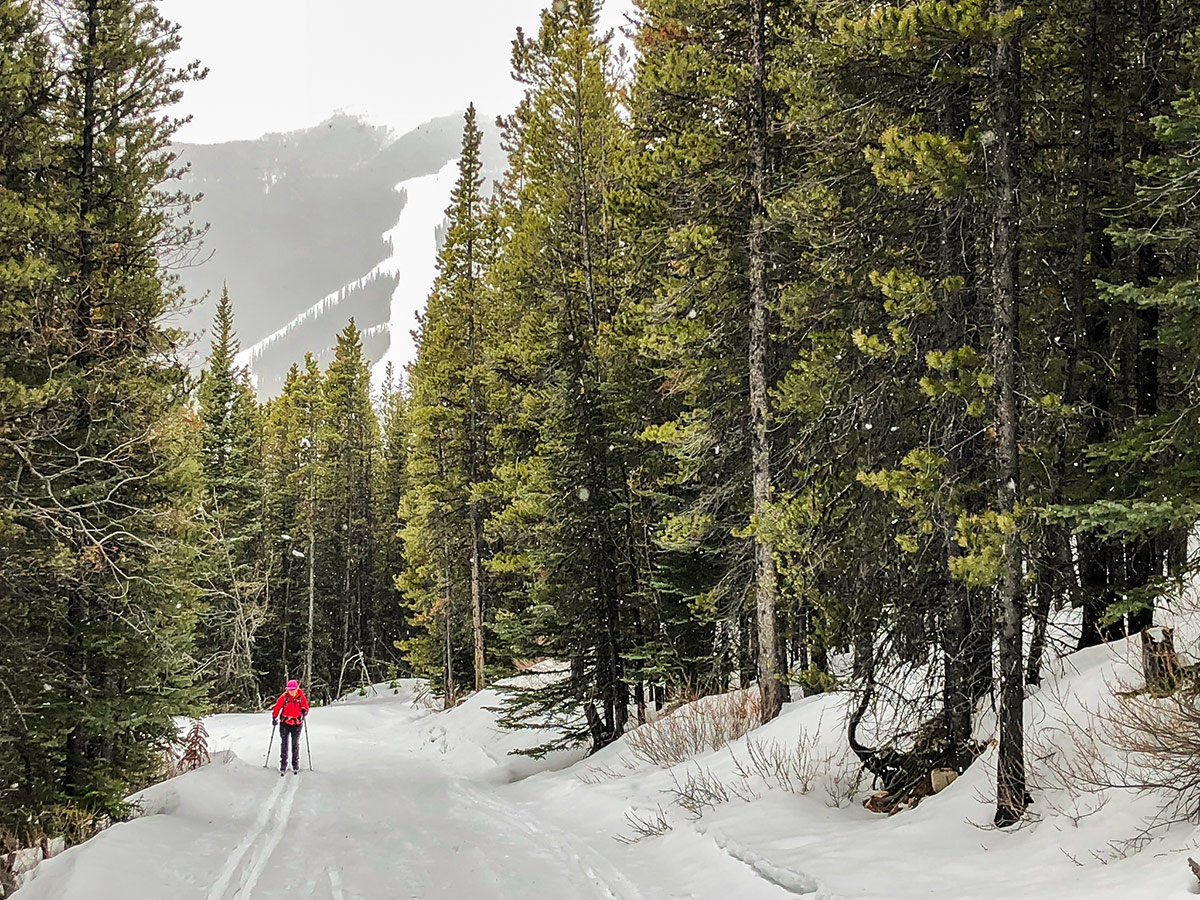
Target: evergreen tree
{"type": "Point", "coordinates": [31, 747]}
{"type": "Point", "coordinates": [348, 440]}
{"type": "Point", "coordinates": [565, 525]}
{"type": "Point", "coordinates": [231, 457]}
{"type": "Point", "coordinates": [108, 487]}
{"type": "Point", "coordinates": [706, 101]}
{"type": "Point", "coordinates": [449, 452]}
{"type": "Point", "coordinates": [392, 485]}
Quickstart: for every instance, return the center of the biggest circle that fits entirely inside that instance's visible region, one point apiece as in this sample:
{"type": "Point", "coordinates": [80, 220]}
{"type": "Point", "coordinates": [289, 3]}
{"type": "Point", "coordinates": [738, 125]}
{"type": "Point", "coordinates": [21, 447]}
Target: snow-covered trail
{"type": "Point", "coordinates": [380, 816]}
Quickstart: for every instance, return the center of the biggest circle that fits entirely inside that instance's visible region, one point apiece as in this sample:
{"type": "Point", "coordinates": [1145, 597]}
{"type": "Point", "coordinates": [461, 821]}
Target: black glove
{"type": "Point", "coordinates": [274, 722]}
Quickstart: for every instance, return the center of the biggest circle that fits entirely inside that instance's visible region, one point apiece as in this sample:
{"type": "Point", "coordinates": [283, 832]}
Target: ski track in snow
{"type": "Point", "coordinates": [217, 891]}
{"type": "Point", "coordinates": [607, 882]}
{"type": "Point", "coordinates": [277, 806]}
{"type": "Point", "coordinates": [791, 881]}
{"type": "Point", "coordinates": [255, 869]}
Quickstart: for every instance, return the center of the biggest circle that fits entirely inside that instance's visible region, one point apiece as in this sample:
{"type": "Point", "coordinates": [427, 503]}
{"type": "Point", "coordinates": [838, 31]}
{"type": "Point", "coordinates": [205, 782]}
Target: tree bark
{"type": "Point", "coordinates": [473, 508]}
{"type": "Point", "coordinates": [312, 578]}
{"type": "Point", "coordinates": [1146, 555]}
{"type": "Point", "coordinates": [1011, 797]}
{"type": "Point", "coordinates": [958, 311]}
{"type": "Point", "coordinates": [770, 683]}
{"type": "Point", "coordinates": [1046, 564]}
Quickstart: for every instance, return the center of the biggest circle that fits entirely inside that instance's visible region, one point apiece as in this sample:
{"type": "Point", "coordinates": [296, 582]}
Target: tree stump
{"type": "Point", "coordinates": [1160, 663]}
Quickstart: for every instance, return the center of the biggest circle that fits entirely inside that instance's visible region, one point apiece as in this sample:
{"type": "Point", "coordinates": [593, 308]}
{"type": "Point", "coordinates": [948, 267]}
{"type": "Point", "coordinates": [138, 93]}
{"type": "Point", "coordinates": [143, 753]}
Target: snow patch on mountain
{"type": "Point", "coordinates": [413, 260]}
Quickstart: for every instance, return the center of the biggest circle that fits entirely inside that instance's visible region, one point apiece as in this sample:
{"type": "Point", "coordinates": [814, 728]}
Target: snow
{"type": "Point", "coordinates": [407, 801]}
{"type": "Point", "coordinates": [413, 259]}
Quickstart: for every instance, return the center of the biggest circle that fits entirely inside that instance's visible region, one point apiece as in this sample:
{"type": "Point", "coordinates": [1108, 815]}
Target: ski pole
{"type": "Point", "coordinates": [270, 743]}
{"type": "Point", "coordinates": [307, 745]}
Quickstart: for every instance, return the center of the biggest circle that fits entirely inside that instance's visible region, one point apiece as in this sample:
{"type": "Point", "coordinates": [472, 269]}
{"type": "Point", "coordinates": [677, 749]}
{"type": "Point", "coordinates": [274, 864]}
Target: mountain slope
{"type": "Point", "coordinates": [299, 228]}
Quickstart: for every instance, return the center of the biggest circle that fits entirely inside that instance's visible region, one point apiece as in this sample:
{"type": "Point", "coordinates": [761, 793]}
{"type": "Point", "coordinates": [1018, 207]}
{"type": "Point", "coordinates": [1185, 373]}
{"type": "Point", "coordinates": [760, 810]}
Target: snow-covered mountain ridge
{"type": "Point", "coordinates": [311, 228]}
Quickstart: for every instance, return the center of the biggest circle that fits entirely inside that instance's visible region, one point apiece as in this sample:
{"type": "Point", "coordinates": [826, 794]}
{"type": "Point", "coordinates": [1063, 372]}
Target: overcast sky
{"type": "Point", "coordinates": [278, 65]}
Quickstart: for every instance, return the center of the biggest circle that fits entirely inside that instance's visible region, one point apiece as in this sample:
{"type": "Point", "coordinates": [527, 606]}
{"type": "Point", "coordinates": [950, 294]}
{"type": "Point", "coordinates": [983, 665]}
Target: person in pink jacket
{"type": "Point", "coordinates": [289, 712]}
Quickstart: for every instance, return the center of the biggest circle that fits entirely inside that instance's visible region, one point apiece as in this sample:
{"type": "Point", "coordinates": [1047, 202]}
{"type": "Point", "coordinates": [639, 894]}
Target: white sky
{"type": "Point", "coordinates": [279, 65]}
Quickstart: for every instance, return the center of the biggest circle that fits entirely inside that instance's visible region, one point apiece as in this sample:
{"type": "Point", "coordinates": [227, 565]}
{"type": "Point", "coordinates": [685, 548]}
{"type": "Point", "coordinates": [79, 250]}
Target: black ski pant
{"type": "Point", "coordinates": [291, 732]}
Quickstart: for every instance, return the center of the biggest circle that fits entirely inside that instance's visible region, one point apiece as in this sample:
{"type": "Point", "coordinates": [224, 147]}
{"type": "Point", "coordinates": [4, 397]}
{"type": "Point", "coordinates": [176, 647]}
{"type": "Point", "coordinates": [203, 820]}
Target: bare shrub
{"type": "Point", "coordinates": [701, 789]}
{"type": "Point", "coordinates": [195, 748]}
{"type": "Point", "coordinates": [644, 825]}
{"type": "Point", "coordinates": [1140, 742]}
{"type": "Point", "coordinates": [424, 698]}
{"type": "Point", "coordinates": [1157, 740]}
{"type": "Point", "coordinates": [794, 769]}
{"type": "Point", "coordinates": [706, 724]}
{"type": "Point", "coordinates": [601, 774]}
{"type": "Point", "coordinates": [846, 774]}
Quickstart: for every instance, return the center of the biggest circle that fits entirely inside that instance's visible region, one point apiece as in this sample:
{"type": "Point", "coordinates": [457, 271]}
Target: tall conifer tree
{"type": "Point", "coordinates": [231, 457]}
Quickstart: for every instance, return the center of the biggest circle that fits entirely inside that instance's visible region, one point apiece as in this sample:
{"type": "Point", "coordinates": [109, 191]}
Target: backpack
{"type": "Point", "coordinates": [292, 710]}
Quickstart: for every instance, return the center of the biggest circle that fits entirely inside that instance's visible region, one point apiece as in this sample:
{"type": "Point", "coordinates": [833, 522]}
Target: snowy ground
{"type": "Point", "coordinates": [404, 802]}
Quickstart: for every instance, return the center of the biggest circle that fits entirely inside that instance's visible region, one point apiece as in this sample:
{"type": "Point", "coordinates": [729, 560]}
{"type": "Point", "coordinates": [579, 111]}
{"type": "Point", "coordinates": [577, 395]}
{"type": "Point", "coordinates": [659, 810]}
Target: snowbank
{"type": "Point", "coordinates": [404, 800]}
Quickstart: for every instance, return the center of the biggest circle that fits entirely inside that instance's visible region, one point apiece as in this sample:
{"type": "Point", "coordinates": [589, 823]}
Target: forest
{"type": "Point", "coordinates": [818, 345]}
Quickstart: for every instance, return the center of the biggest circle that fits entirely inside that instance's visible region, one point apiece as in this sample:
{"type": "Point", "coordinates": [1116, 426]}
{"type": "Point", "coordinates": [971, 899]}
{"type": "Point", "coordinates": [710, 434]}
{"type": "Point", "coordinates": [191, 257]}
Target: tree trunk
{"type": "Point", "coordinates": [766, 582]}
{"type": "Point", "coordinates": [474, 467]}
{"type": "Point", "coordinates": [1146, 555]}
{"type": "Point", "coordinates": [962, 629]}
{"type": "Point", "coordinates": [312, 581]}
{"type": "Point", "coordinates": [447, 604]}
{"type": "Point", "coordinates": [78, 601]}
{"type": "Point", "coordinates": [1160, 664]}
{"type": "Point", "coordinates": [1011, 797]}
{"type": "Point", "coordinates": [477, 600]}
{"type": "Point", "coordinates": [1046, 564]}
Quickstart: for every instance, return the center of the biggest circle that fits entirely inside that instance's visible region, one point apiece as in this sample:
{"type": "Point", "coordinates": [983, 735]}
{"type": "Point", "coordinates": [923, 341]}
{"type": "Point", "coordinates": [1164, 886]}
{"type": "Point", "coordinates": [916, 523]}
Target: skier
{"type": "Point", "coordinates": [292, 707]}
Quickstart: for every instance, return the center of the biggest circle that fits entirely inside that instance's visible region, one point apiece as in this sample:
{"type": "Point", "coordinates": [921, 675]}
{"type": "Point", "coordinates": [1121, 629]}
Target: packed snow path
{"type": "Point", "coordinates": [380, 816]}
{"type": "Point", "coordinates": [406, 803]}
{"type": "Point", "coordinates": [369, 832]}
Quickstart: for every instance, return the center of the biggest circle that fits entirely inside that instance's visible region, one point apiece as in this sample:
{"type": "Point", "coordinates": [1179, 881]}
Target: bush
{"type": "Point", "coordinates": [195, 748]}
{"type": "Point", "coordinates": [709, 723]}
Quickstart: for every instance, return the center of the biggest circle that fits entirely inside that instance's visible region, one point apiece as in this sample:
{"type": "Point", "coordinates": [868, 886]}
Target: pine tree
{"type": "Point", "coordinates": [449, 452]}
{"type": "Point", "coordinates": [565, 525]}
{"type": "Point", "coordinates": [231, 456]}
{"type": "Point", "coordinates": [114, 489]}
{"type": "Point", "coordinates": [715, 335]}
{"type": "Point", "coordinates": [392, 485]}
{"type": "Point", "coordinates": [348, 442]}
{"type": "Point", "coordinates": [31, 747]}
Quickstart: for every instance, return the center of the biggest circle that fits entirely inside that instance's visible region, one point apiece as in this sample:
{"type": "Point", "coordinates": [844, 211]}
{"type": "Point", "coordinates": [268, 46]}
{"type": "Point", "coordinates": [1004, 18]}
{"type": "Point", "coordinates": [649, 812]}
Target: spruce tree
{"type": "Point", "coordinates": [31, 746]}
{"type": "Point", "coordinates": [565, 525]}
{"type": "Point", "coordinates": [706, 101]}
{"type": "Point", "coordinates": [116, 488]}
{"type": "Point", "coordinates": [231, 457]}
{"type": "Point", "coordinates": [348, 440]}
{"type": "Point", "coordinates": [392, 485]}
{"type": "Point", "coordinates": [449, 451]}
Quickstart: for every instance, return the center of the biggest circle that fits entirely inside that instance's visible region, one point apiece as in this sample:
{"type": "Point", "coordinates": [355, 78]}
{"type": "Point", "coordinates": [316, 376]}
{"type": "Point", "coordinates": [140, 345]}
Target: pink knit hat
{"type": "Point", "coordinates": [293, 685]}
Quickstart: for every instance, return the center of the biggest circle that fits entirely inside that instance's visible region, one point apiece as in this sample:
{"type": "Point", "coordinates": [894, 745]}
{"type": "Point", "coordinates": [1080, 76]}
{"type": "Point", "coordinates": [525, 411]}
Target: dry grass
{"type": "Point", "coordinates": [769, 765]}
{"type": "Point", "coordinates": [700, 789]}
{"type": "Point", "coordinates": [709, 723]}
{"type": "Point", "coordinates": [792, 769]}
{"type": "Point", "coordinates": [644, 825]}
